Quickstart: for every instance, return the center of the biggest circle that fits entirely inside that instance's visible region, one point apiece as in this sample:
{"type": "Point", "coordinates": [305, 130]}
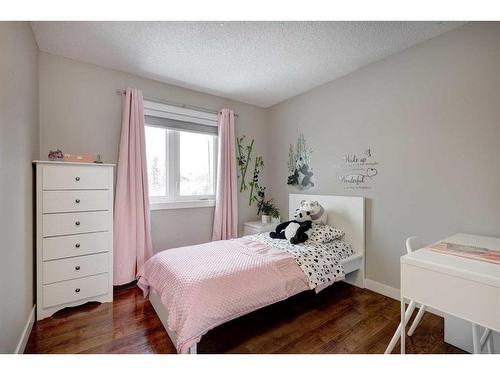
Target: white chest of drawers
{"type": "Point", "coordinates": [74, 235]}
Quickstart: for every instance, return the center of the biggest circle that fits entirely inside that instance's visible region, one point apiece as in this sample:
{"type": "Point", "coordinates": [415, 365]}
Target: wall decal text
{"type": "Point", "coordinates": [357, 170]}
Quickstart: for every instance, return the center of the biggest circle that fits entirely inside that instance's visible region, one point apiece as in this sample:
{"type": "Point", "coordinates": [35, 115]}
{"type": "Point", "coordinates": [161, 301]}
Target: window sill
{"type": "Point", "coordinates": [154, 206]}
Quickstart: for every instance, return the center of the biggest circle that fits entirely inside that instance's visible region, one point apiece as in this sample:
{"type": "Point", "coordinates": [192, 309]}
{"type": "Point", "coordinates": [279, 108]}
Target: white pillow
{"type": "Point", "coordinates": [322, 233]}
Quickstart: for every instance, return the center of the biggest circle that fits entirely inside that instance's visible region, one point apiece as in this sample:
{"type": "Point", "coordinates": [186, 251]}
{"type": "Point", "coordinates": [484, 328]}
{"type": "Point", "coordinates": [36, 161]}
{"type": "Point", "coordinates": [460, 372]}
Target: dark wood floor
{"type": "Point", "coordinates": [341, 319]}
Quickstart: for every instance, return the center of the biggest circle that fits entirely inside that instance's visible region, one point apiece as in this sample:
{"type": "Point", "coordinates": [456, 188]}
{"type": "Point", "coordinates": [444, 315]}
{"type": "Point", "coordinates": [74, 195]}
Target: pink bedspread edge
{"type": "Point", "coordinates": [206, 285]}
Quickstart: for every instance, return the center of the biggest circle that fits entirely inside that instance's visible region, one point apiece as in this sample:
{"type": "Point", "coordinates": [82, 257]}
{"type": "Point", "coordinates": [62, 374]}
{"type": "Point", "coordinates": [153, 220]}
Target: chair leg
{"type": "Point", "coordinates": [491, 347]}
{"type": "Point", "coordinates": [397, 334]}
{"type": "Point", "coordinates": [417, 319]}
{"type": "Point", "coordinates": [487, 339]}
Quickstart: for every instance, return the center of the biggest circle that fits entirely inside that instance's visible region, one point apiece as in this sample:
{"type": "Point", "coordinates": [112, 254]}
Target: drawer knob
{"type": "Point", "coordinates": [77, 200]}
{"type": "Point", "coordinates": [77, 245]}
{"type": "Point", "coordinates": [77, 290]}
{"type": "Point", "coordinates": [77, 178]}
{"type": "Point", "coordinates": [77, 223]}
{"type": "Point", "coordinates": [77, 268]}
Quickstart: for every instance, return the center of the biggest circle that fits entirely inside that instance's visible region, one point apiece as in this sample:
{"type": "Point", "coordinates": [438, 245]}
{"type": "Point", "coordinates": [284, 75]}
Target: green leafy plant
{"type": "Point", "coordinates": [257, 192]}
{"type": "Point", "coordinates": [254, 184]}
{"type": "Point", "coordinates": [243, 158]}
{"type": "Point", "coordinates": [267, 208]}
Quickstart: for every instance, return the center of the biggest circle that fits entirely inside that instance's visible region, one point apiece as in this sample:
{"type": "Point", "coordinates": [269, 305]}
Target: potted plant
{"type": "Point", "coordinates": [268, 210]}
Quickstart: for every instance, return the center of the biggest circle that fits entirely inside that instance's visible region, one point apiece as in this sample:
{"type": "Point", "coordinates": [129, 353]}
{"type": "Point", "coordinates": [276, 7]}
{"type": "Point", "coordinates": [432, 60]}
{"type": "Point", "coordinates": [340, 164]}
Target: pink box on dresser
{"type": "Point", "coordinates": [75, 158]}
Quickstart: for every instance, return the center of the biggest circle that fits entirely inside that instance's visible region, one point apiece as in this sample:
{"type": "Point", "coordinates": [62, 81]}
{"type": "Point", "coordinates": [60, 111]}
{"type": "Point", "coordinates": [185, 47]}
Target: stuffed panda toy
{"type": "Point", "coordinates": [315, 210]}
{"type": "Point", "coordinates": [296, 231]}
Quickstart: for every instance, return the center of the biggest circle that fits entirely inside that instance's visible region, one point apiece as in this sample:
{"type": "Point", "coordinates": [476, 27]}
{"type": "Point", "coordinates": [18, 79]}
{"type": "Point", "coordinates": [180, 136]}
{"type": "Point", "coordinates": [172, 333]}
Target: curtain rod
{"type": "Point", "coordinates": [187, 106]}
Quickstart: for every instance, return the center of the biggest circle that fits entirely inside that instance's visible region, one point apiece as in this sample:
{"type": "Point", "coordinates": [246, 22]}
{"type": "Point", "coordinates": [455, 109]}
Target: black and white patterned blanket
{"type": "Point", "coordinates": [321, 263]}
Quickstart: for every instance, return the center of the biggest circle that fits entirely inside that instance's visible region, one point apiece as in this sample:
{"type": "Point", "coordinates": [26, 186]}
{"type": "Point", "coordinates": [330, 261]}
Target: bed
{"type": "Point", "coordinates": [196, 288]}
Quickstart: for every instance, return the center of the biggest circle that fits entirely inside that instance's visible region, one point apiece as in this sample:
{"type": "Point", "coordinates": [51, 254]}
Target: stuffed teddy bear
{"type": "Point", "coordinates": [315, 210]}
{"type": "Point", "coordinates": [296, 231]}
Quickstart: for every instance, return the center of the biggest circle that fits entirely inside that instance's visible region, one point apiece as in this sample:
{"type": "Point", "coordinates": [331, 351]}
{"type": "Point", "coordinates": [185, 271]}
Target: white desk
{"type": "Point", "coordinates": [465, 288]}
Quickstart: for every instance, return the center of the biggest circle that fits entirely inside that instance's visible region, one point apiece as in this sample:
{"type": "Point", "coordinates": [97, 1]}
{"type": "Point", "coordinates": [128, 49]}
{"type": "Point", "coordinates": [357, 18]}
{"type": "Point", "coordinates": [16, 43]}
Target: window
{"type": "Point", "coordinates": [181, 158]}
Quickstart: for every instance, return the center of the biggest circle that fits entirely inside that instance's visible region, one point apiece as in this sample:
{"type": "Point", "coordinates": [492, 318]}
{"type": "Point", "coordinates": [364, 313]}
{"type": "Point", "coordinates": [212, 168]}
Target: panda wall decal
{"type": "Point", "coordinates": [300, 172]}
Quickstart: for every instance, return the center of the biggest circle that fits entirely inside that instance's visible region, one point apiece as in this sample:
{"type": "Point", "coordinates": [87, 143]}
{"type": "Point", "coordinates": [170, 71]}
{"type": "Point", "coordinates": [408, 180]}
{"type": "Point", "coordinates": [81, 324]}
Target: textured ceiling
{"type": "Point", "coordinates": [261, 63]}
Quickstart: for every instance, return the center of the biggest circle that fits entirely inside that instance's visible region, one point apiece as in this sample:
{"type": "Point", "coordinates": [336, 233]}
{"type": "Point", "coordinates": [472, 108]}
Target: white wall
{"type": "Point", "coordinates": [81, 113]}
{"type": "Point", "coordinates": [431, 115]}
{"type": "Point", "coordinates": [18, 146]}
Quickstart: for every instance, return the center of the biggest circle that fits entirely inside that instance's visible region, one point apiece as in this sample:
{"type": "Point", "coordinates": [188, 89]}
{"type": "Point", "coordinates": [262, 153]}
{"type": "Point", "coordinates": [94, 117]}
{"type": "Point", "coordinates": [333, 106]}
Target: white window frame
{"type": "Point", "coordinates": [173, 199]}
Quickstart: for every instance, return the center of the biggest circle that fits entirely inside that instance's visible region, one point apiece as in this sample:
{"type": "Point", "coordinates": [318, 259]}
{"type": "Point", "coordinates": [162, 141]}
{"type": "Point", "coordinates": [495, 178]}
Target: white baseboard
{"type": "Point", "coordinates": [26, 332]}
{"type": "Point", "coordinates": [383, 289]}
{"type": "Point", "coordinates": [393, 293]}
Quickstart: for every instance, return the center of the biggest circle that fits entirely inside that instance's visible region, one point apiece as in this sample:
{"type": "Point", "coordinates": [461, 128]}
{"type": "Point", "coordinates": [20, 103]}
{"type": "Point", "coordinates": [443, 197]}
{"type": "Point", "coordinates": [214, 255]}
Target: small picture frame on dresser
{"type": "Point", "coordinates": [74, 234]}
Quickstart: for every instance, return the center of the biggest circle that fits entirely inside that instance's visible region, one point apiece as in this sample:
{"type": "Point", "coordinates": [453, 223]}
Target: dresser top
{"type": "Point", "coordinates": [69, 163]}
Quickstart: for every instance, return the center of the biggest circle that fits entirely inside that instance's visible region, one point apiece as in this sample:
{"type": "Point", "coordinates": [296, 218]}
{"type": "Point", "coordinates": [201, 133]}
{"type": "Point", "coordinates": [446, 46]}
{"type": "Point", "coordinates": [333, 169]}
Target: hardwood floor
{"type": "Point", "coordinates": [341, 319]}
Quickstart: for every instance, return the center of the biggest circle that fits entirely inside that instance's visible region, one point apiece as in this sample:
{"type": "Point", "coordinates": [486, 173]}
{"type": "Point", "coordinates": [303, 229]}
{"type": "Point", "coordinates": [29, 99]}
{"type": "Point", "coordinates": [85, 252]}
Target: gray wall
{"type": "Point", "coordinates": [81, 113]}
{"type": "Point", "coordinates": [18, 146]}
{"type": "Point", "coordinates": [431, 115]}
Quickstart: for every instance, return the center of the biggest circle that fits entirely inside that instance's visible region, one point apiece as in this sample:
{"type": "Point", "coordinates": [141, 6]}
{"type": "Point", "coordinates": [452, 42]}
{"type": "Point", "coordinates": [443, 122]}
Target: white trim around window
{"type": "Point", "coordinates": [180, 120]}
{"type": "Point", "coordinates": [161, 110]}
{"type": "Point", "coordinates": [174, 205]}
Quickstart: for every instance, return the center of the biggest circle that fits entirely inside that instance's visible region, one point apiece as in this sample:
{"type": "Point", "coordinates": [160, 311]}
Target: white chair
{"type": "Point", "coordinates": [412, 244]}
{"type": "Point", "coordinates": [478, 341]}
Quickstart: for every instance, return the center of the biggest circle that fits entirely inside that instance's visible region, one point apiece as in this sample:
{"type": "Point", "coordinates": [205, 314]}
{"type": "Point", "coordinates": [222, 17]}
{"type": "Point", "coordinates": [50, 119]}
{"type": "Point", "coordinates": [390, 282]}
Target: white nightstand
{"type": "Point", "coordinates": [255, 227]}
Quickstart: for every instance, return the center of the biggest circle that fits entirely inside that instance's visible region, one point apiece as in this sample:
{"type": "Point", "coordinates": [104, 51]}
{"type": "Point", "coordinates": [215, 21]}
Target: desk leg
{"type": "Point", "coordinates": [403, 325]}
{"type": "Point", "coordinates": [476, 340]}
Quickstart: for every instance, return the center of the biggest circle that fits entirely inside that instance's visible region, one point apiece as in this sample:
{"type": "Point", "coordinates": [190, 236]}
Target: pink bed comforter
{"type": "Point", "coordinates": [206, 285]}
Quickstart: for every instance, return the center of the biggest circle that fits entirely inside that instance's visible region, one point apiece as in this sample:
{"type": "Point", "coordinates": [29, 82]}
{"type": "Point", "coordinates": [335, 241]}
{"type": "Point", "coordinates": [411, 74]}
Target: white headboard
{"type": "Point", "coordinates": [347, 213]}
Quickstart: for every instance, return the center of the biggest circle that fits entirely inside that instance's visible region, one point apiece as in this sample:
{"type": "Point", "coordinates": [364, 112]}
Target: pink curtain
{"type": "Point", "coordinates": [132, 233]}
{"type": "Point", "coordinates": [226, 206]}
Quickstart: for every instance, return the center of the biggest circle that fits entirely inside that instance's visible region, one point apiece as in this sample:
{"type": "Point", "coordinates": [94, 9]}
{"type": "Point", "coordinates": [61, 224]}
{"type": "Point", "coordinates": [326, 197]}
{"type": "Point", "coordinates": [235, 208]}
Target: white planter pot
{"type": "Point", "coordinates": [266, 219]}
